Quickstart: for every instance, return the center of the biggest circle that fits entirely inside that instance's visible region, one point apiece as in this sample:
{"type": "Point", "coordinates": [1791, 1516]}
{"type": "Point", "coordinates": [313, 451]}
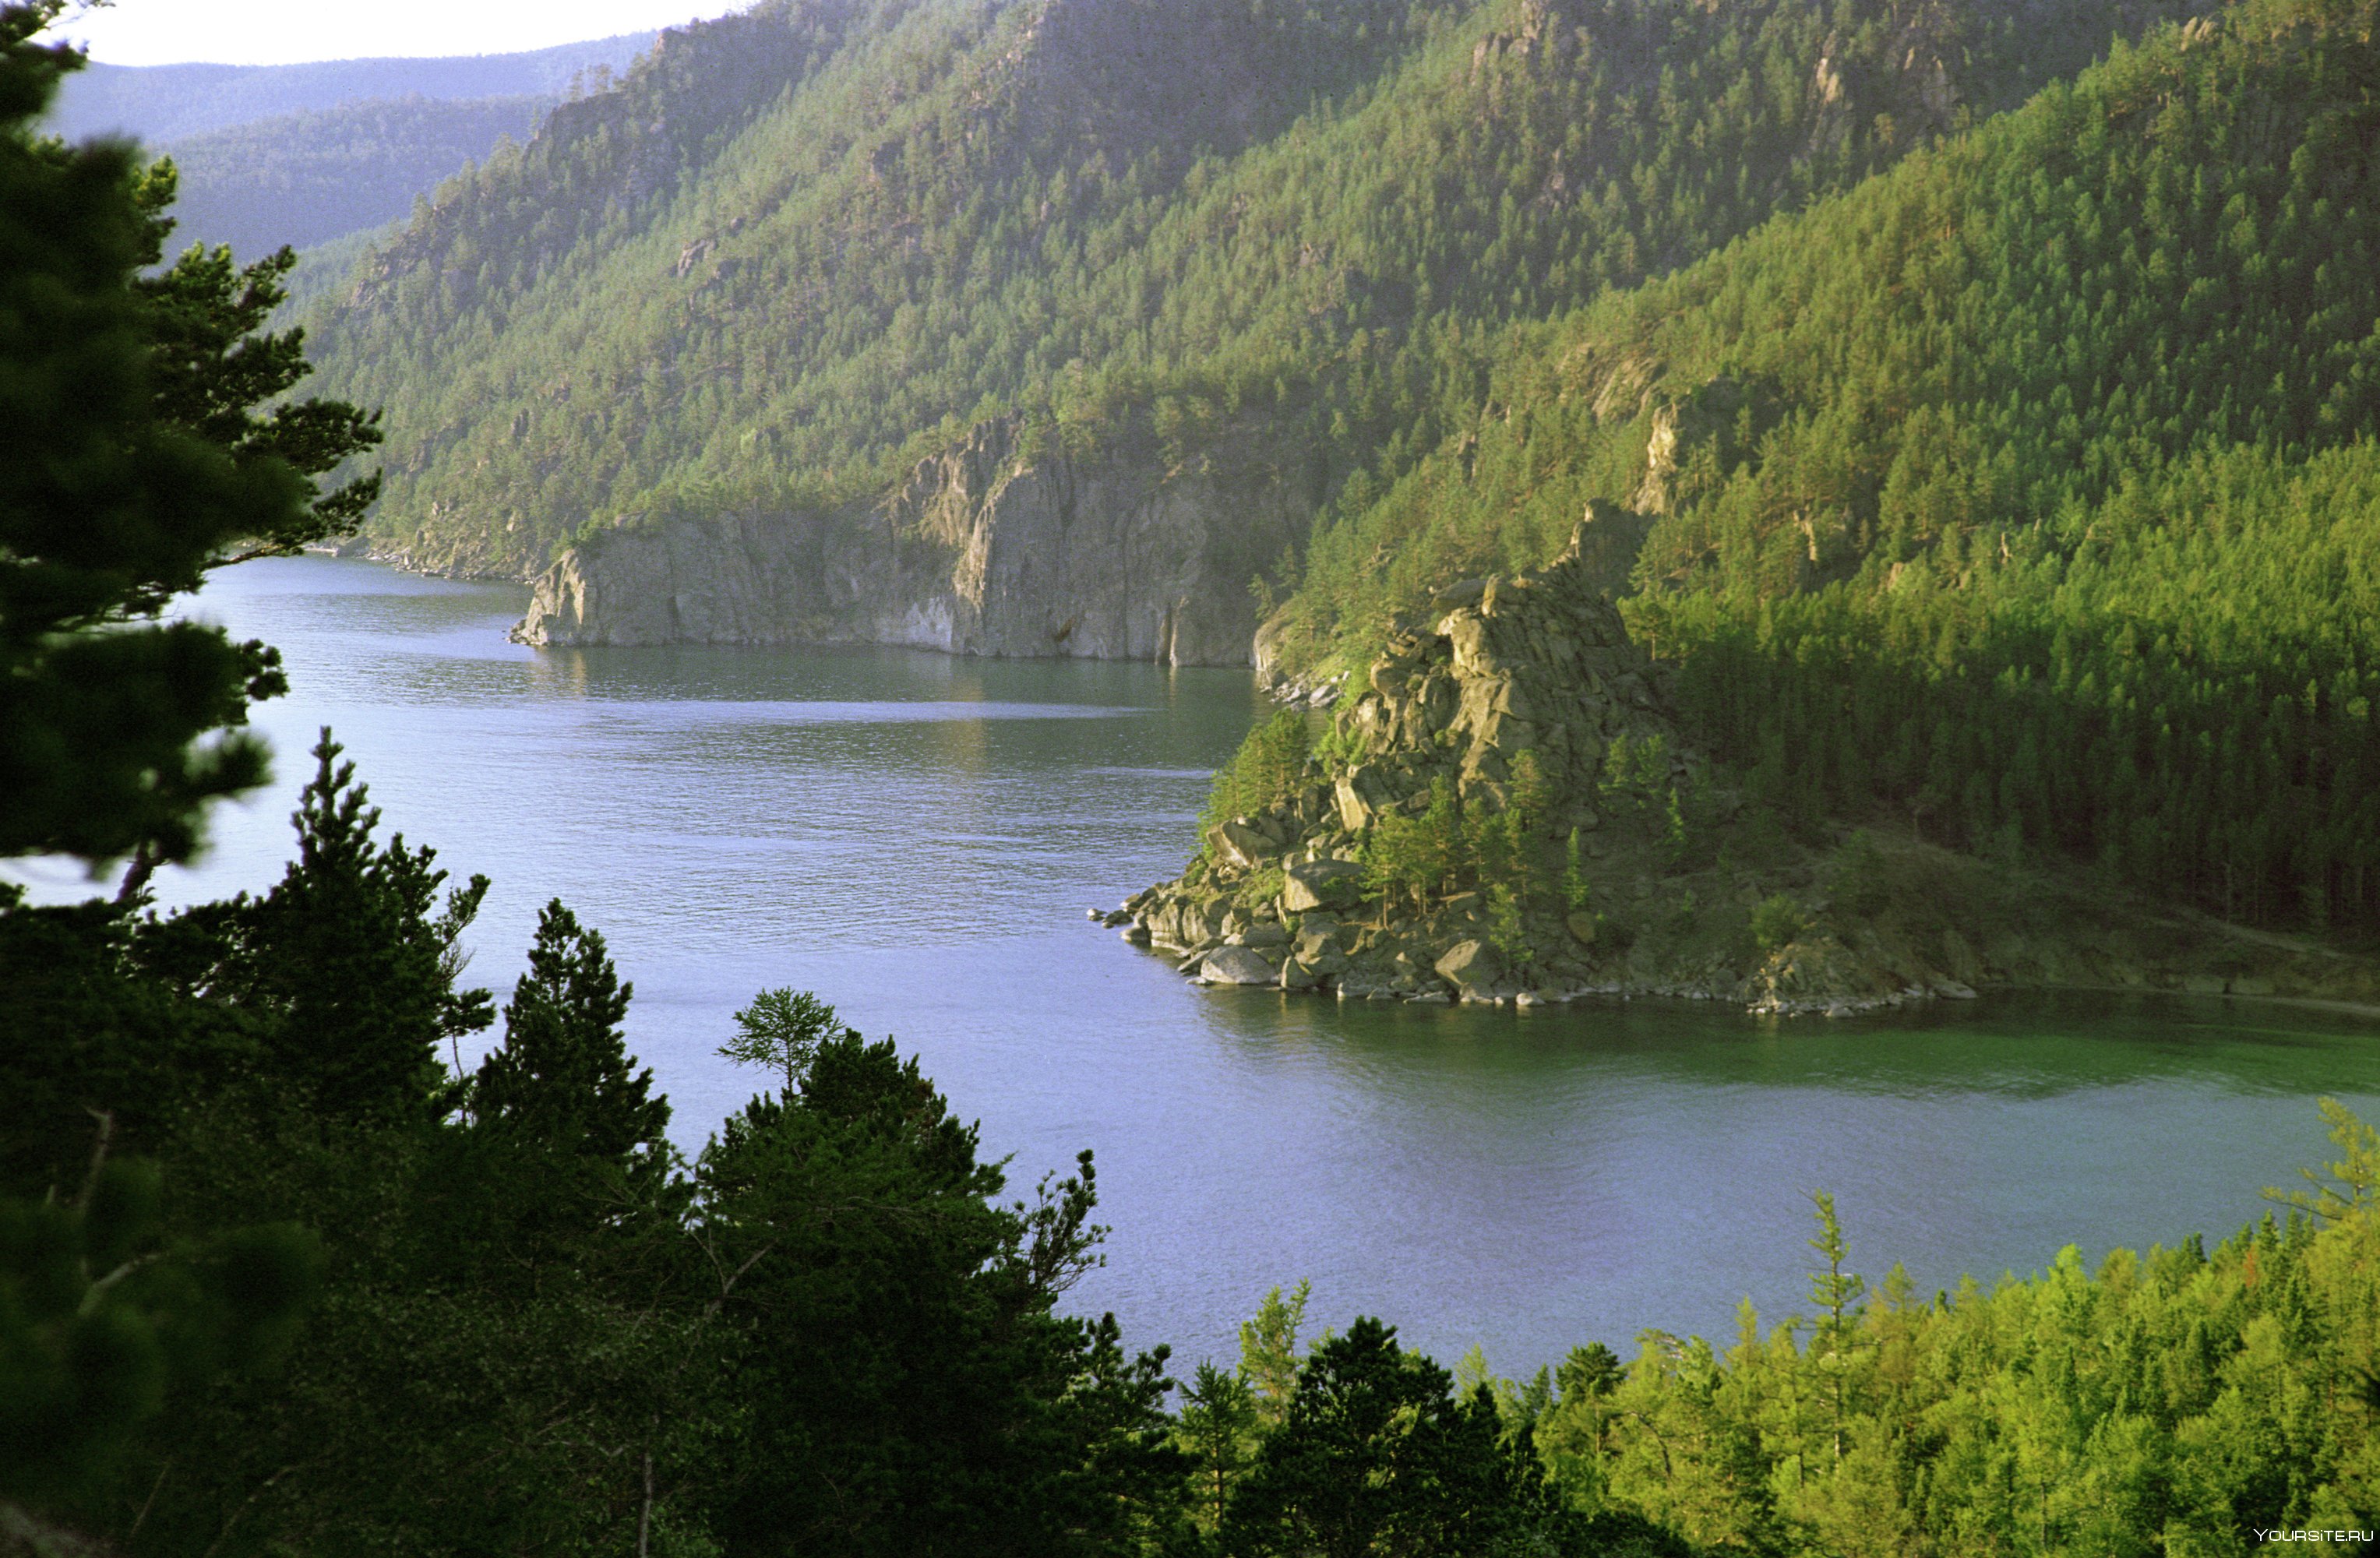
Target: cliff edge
{"type": "Point", "coordinates": [991, 548]}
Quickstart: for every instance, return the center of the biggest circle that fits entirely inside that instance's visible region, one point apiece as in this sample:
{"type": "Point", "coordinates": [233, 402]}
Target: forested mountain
{"type": "Point", "coordinates": [799, 247]}
{"type": "Point", "coordinates": [307, 177]}
{"type": "Point", "coordinates": [2027, 490]}
{"type": "Point", "coordinates": [161, 102]}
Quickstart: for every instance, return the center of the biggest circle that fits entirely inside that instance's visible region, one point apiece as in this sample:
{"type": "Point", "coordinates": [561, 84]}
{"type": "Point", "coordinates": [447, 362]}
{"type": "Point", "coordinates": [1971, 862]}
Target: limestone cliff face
{"type": "Point", "coordinates": [985, 550]}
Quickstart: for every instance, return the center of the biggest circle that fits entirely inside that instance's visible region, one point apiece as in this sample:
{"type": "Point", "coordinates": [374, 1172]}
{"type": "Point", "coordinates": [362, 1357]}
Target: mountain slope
{"type": "Point", "coordinates": [805, 248]}
{"type": "Point", "coordinates": [2024, 495]}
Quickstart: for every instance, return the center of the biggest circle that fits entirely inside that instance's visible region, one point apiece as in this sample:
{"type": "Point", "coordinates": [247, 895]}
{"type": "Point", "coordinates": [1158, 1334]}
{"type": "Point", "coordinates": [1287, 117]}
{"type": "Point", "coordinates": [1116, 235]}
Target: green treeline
{"type": "Point", "coordinates": [2022, 492]}
{"type": "Point", "coordinates": [2185, 699]}
{"type": "Point", "coordinates": [796, 247]}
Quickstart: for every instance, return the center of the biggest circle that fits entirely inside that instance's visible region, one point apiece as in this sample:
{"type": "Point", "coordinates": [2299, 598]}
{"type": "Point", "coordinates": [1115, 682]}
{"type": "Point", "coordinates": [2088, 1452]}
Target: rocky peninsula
{"type": "Point", "coordinates": [1505, 809]}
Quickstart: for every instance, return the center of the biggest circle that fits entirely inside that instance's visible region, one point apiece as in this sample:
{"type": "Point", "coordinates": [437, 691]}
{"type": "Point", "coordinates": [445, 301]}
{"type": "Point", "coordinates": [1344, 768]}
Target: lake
{"type": "Point", "coordinates": [915, 838]}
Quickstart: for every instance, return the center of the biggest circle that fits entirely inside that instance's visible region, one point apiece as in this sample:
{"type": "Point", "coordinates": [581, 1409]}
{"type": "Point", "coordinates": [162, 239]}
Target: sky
{"type": "Point", "coordinates": [288, 31]}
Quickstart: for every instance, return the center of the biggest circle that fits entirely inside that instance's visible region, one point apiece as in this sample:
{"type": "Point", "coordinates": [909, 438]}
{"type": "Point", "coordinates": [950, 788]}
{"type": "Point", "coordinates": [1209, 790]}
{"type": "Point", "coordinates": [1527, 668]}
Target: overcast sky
{"type": "Point", "coordinates": [285, 31]}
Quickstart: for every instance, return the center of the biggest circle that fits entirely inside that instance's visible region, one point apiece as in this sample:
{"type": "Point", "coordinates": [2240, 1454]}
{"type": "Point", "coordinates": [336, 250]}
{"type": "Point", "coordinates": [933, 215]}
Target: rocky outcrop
{"type": "Point", "coordinates": [991, 548]}
{"type": "Point", "coordinates": [1504, 810]}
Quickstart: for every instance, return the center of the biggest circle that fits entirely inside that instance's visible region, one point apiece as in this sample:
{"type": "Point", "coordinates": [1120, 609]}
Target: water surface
{"type": "Point", "coordinates": [916, 837]}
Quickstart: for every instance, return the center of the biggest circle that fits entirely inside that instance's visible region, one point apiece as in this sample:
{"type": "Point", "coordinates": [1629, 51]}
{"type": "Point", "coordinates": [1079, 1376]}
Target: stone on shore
{"type": "Point", "coordinates": [1237, 964]}
{"type": "Point", "coordinates": [1471, 968]}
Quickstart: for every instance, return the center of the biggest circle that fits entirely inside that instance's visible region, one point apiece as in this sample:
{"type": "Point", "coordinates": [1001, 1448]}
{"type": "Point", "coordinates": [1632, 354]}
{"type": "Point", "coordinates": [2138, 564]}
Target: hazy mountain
{"type": "Point", "coordinates": [308, 178]}
{"type": "Point", "coordinates": [164, 103]}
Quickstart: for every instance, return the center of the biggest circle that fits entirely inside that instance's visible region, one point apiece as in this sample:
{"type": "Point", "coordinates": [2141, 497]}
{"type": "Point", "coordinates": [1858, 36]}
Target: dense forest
{"type": "Point", "coordinates": [2023, 493]}
{"type": "Point", "coordinates": [797, 245]}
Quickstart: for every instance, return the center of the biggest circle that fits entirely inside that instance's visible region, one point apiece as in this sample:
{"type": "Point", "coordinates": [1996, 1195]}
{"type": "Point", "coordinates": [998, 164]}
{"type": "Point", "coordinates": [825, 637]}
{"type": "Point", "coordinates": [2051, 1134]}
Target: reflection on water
{"type": "Point", "coordinates": [916, 836]}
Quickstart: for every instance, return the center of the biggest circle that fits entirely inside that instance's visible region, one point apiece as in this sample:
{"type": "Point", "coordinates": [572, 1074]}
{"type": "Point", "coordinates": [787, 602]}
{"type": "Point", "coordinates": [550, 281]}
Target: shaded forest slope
{"type": "Point", "coordinates": [799, 250]}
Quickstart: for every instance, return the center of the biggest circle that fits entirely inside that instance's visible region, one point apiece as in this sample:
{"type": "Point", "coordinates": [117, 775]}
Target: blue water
{"type": "Point", "coordinates": [916, 837]}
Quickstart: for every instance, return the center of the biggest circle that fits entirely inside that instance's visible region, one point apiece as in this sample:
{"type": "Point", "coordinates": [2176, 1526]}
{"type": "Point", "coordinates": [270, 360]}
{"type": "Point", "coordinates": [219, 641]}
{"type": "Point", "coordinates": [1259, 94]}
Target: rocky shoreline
{"type": "Point", "coordinates": [1503, 811]}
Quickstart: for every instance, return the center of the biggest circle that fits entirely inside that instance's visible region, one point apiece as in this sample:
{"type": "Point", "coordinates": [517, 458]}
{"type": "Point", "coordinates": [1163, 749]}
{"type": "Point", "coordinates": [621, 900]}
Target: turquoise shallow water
{"type": "Point", "coordinates": [916, 836]}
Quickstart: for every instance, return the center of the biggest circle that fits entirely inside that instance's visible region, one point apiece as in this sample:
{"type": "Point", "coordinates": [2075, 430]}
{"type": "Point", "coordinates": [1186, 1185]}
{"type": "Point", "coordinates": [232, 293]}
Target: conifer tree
{"type": "Point", "coordinates": [562, 1076]}
{"type": "Point", "coordinates": [133, 459]}
{"type": "Point", "coordinates": [1835, 1291]}
{"type": "Point", "coordinates": [1218, 1427]}
{"type": "Point", "coordinates": [1268, 1350]}
{"type": "Point", "coordinates": [349, 964]}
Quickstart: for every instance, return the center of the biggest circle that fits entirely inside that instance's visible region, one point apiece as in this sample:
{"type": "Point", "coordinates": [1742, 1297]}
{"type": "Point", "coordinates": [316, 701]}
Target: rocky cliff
{"type": "Point", "coordinates": [992, 548]}
{"type": "Point", "coordinates": [1507, 810]}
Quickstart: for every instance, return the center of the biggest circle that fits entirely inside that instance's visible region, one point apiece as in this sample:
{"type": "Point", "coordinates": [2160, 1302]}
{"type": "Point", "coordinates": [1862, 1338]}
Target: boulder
{"type": "Point", "coordinates": [1319, 938]}
{"type": "Point", "coordinates": [1237, 965]}
{"type": "Point", "coordinates": [1307, 884]}
{"type": "Point", "coordinates": [1238, 844]}
{"type": "Point", "coordinates": [1471, 968]}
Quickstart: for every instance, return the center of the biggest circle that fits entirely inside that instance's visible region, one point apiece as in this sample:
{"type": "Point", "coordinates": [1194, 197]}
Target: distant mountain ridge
{"type": "Point", "coordinates": [310, 177]}
{"type": "Point", "coordinates": [160, 103]}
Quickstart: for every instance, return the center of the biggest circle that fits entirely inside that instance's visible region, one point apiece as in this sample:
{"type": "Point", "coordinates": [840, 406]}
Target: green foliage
{"type": "Point", "coordinates": [534, 1330]}
{"type": "Point", "coordinates": [1268, 1351]}
{"type": "Point", "coordinates": [782, 1029]}
{"type": "Point", "coordinates": [1577, 889]}
{"type": "Point", "coordinates": [1776, 921]}
{"type": "Point", "coordinates": [347, 969]}
{"type": "Point", "coordinates": [1218, 1427]}
{"type": "Point", "coordinates": [563, 1076]}
{"type": "Point", "coordinates": [106, 1319]}
{"type": "Point", "coordinates": [1376, 1456]}
{"type": "Point", "coordinates": [110, 501]}
{"type": "Point", "coordinates": [1504, 927]}
{"type": "Point", "coordinates": [2354, 1187]}
{"type": "Point", "coordinates": [1416, 855]}
{"type": "Point", "coordinates": [2066, 1412]}
{"type": "Point", "coordinates": [930, 1400]}
{"type": "Point", "coordinates": [2185, 700]}
{"type": "Point", "coordinates": [1635, 777]}
{"type": "Point", "coordinates": [1270, 766]}
{"type": "Point", "coordinates": [146, 434]}
{"type": "Point", "coordinates": [1859, 878]}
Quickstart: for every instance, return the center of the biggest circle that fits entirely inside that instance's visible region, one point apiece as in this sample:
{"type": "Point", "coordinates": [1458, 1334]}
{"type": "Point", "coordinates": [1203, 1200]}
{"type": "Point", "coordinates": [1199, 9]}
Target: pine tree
{"type": "Point", "coordinates": [781, 1029]}
{"type": "Point", "coordinates": [1835, 1291]}
{"type": "Point", "coordinates": [562, 1076]}
{"type": "Point", "coordinates": [348, 967]}
{"type": "Point", "coordinates": [1268, 1350]}
{"type": "Point", "coordinates": [133, 459]}
{"type": "Point", "coordinates": [1219, 1423]}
